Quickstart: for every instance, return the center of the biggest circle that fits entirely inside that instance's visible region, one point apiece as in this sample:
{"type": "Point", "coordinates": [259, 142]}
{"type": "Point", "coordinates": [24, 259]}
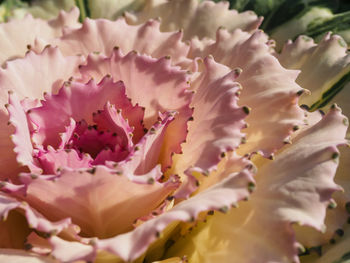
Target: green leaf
{"type": "Point", "coordinates": [292, 9]}
{"type": "Point", "coordinates": [277, 12]}
{"type": "Point", "coordinates": [84, 9]}
{"type": "Point", "coordinates": [238, 4]}
{"type": "Point", "coordinates": [336, 24]}
{"type": "Point", "coordinates": [8, 7]}
{"type": "Point", "coordinates": [330, 94]}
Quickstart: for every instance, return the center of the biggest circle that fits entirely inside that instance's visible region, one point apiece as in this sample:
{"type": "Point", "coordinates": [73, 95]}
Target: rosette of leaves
{"type": "Point", "coordinates": [324, 70]}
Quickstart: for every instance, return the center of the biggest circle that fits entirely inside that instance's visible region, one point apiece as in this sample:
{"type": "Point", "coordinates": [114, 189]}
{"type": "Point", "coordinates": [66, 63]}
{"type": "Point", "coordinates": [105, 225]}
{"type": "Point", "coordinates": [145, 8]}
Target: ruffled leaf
{"type": "Point", "coordinates": [323, 67]}
{"type": "Point", "coordinates": [97, 199]}
{"type": "Point", "coordinates": [341, 98]}
{"type": "Point", "coordinates": [147, 152]}
{"type": "Point", "coordinates": [36, 74]}
{"type": "Point", "coordinates": [298, 25]}
{"type": "Point", "coordinates": [131, 245]}
{"type": "Point", "coordinates": [217, 120]}
{"type": "Point", "coordinates": [231, 163]}
{"type": "Point", "coordinates": [337, 214]}
{"type": "Point", "coordinates": [52, 161]}
{"type": "Point", "coordinates": [21, 138]}
{"type": "Point", "coordinates": [267, 88]}
{"type": "Point", "coordinates": [283, 196]}
{"type": "Point", "coordinates": [18, 35]}
{"type": "Point", "coordinates": [79, 105]}
{"type": "Point", "coordinates": [164, 89]}
{"type": "Point", "coordinates": [9, 160]}
{"type": "Point", "coordinates": [75, 250]}
{"type": "Point", "coordinates": [34, 219]}
{"type": "Point", "coordinates": [29, 77]}
{"type": "Point", "coordinates": [196, 18]}
{"type": "Point", "coordinates": [103, 35]}
{"type": "Point", "coordinates": [112, 120]}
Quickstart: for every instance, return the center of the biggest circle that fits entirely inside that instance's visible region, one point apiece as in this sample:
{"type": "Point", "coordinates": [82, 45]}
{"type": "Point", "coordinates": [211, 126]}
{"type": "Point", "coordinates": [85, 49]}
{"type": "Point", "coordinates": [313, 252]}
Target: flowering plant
{"type": "Point", "coordinates": [134, 141]}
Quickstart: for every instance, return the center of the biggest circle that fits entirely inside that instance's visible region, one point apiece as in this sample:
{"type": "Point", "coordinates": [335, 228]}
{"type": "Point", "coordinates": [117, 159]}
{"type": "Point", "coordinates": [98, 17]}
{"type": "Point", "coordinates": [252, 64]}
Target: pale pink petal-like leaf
{"type": "Point", "coordinates": [71, 251]}
{"type": "Point", "coordinates": [321, 66]}
{"type": "Point", "coordinates": [17, 256]}
{"type": "Point", "coordinates": [14, 189]}
{"type": "Point", "coordinates": [317, 145]}
{"type": "Point", "coordinates": [231, 163]}
{"type": "Point", "coordinates": [18, 35]}
{"type": "Point", "coordinates": [37, 73]}
{"type": "Point", "coordinates": [165, 86]}
{"type": "Point", "coordinates": [221, 196]}
{"type": "Point", "coordinates": [295, 188]}
{"type": "Point", "coordinates": [147, 152]}
{"type": "Point", "coordinates": [100, 201]}
{"type": "Point", "coordinates": [67, 134]}
{"type": "Point", "coordinates": [197, 180]}
{"type": "Point", "coordinates": [103, 35]}
{"type": "Point", "coordinates": [52, 161]}
{"type": "Point", "coordinates": [295, 54]}
{"type": "Point", "coordinates": [342, 178]}
{"type": "Point", "coordinates": [8, 163]}
{"type": "Point", "coordinates": [217, 120]}
{"type": "Point", "coordinates": [338, 212]}
{"type": "Point", "coordinates": [267, 88]}
{"type": "Point", "coordinates": [21, 137]}
{"type": "Point", "coordinates": [197, 19]}
{"type": "Point", "coordinates": [8, 160]}
{"type": "Point", "coordinates": [34, 219]}
{"type": "Point", "coordinates": [111, 119]}
{"type": "Point", "coordinates": [341, 99]}
{"type": "Point", "coordinates": [38, 244]}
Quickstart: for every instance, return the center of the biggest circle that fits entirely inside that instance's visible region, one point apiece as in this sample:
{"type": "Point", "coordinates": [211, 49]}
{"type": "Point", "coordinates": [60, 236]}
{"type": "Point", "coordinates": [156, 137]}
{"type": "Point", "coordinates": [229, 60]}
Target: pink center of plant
{"type": "Point", "coordinates": [106, 138]}
{"type": "Point", "coordinates": [98, 143]}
